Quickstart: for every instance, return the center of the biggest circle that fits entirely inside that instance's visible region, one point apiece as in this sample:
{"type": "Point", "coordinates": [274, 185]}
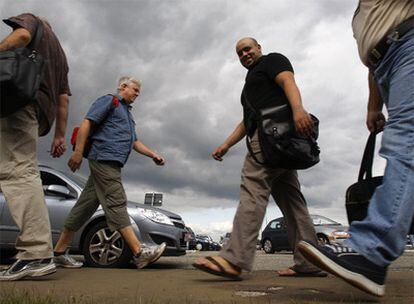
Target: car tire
{"type": "Point", "coordinates": [199, 246]}
{"type": "Point", "coordinates": [105, 249]}
{"type": "Point", "coordinates": [268, 246]}
{"type": "Point", "coordinates": [323, 239]}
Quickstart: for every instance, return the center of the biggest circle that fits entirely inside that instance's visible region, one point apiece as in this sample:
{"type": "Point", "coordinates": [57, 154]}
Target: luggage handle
{"type": "Point", "coordinates": [368, 158]}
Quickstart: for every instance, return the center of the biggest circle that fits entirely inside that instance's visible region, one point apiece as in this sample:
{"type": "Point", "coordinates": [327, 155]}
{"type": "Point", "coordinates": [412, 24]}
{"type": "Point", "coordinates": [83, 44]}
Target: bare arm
{"type": "Point", "coordinates": [375, 117]}
{"type": "Point", "coordinates": [237, 135]}
{"type": "Point", "coordinates": [301, 118]}
{"type": "Point", "coordinates": [75, 160]}
{"type": "Point", "coordinates": [144, 150]}
{"type": "Point", "coordinates": [19, 38]}
{"type": "Point", "coordinates": [58, 143]}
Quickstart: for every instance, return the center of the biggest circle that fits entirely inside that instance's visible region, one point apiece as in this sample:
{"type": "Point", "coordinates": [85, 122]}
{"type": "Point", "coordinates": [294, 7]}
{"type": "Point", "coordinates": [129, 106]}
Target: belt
{"type": "Point", "coordinates": [379, 51]}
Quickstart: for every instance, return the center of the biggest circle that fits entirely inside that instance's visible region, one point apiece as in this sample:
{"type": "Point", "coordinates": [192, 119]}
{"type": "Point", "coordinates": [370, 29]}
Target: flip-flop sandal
{"type": "Point", "coordinates": [297, 274]}
{"type": "Point", "coordinates": [221, 273]}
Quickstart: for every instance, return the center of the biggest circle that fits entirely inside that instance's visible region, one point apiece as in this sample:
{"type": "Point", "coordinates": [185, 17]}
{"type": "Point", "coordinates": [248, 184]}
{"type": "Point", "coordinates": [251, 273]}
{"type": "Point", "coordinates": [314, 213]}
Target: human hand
{"type": "Point", "coordinates": [75, 161]}
{"type": "Point", "coordinates": [303, 122]}
{"type": "Point", "coordinates": [375, 121]}
{"type": "Point", "coordinates": [58, 147]}
{"type": "Point", "coordinates": [158, 160]}
{"type": "Point", "coordinates": [219, 152]}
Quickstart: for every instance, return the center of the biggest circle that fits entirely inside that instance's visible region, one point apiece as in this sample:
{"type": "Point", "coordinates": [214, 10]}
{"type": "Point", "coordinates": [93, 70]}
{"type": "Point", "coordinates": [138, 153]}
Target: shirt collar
{"type": "Point", "coordinates": [129, 106]}
{"type": "Point", "coordinates": [256, 62]}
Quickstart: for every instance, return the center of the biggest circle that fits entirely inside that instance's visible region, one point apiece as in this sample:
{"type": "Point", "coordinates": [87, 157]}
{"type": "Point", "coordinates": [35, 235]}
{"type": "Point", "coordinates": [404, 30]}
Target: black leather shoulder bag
{"type": "Point", "coordinates": [20, 75]}
{"type": "Point", "coordinates": [281, 145]}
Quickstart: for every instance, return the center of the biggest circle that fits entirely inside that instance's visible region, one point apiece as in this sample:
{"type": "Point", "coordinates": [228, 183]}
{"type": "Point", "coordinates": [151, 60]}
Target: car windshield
{"type": "Point", "coordinates": [321, 220]}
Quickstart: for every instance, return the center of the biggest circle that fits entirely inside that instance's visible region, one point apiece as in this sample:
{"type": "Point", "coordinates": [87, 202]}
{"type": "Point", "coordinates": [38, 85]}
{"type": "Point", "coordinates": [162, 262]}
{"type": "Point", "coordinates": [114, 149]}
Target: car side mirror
{"type": "Point", "coordinates": [59, 190]}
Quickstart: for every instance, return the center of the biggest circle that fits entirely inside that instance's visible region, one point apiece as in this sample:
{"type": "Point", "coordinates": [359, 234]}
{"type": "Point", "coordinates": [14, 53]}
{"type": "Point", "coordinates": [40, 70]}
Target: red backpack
{"type": "Point", "coordinates": [88, 143]}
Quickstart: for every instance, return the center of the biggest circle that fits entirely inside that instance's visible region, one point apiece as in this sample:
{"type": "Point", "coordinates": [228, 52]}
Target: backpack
{"type": "Point", "coordinates": [88, 143]}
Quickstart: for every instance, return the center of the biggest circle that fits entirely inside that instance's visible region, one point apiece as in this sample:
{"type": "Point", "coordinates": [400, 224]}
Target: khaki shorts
{"type": "Point", "coordinates": [104, 187]}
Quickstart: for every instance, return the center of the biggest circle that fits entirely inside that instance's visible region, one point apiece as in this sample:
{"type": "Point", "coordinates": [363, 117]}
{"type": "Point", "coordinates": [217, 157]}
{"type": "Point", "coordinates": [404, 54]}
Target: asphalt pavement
{"type": "Point", "coordinates": [174, 280]}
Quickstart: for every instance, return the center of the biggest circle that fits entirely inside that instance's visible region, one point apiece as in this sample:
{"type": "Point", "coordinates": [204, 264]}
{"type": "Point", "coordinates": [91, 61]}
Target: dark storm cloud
{"type": "Point", "coordinates": [183, 51]}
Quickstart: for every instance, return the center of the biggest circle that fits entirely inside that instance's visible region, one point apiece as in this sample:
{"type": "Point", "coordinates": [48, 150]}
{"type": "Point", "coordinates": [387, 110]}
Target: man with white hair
{"type": "Point", "coordinates": [110, 127]}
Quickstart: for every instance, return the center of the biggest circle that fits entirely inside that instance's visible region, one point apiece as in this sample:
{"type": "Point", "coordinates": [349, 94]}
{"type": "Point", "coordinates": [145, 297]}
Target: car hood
{"type": "Point", "coordinates": [143, 206]}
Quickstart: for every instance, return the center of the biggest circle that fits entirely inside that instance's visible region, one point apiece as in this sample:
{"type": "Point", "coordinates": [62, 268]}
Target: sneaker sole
{"type": "Point", "coordinates": [68, 266]}
{"type": "Point", "coordinates": [325, 263]}
{"type": "Point", "coordinates": [49, 269]}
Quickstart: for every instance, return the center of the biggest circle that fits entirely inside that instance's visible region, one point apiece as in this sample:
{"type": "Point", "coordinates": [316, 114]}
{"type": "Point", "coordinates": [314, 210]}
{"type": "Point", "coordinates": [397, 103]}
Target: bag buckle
{"type": "Point", "coordinates": [33, 55]}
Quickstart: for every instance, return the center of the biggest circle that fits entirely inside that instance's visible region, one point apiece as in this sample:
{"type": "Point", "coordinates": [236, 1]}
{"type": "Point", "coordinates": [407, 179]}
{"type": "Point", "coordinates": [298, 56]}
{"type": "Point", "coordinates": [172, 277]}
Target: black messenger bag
{"type": "Point", "coordinates": [358, 195]}
{"type": "Point", "coordinates": [281, 145]}
{"type": "Point", "coordinates": [20, 75]}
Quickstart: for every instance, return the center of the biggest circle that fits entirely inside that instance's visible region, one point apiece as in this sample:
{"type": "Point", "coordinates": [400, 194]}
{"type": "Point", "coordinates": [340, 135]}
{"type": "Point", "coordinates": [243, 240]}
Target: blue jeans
{"type": "Point", "coordinates": [381, 236]}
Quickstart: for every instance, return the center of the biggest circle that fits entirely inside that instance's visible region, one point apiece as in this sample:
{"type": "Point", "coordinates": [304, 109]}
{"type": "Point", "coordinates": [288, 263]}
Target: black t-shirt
{"type": "Point", "coordinates": [261, 89]}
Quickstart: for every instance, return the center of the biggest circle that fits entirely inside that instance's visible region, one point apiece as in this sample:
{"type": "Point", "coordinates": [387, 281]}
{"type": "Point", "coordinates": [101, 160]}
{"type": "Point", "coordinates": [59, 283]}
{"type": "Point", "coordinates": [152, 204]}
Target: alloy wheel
{"type": "Point", "coordinates": [106, 247]}
{"type": "Point", "coordinates": [268, 246]}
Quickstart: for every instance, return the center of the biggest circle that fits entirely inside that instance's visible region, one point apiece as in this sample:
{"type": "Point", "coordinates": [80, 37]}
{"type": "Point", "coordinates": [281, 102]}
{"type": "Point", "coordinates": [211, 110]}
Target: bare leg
{"type": "Point", "coordinates": [131, 239]}
{"type": "Point", "coordinates": [64, 240]}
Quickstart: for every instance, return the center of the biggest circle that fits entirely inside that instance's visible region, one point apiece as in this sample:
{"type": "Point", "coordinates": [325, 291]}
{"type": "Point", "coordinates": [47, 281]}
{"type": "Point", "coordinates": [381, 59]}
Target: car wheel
{"type": "Point", "coordinates": [268, 246]}
{"type": "Point", "coordinates": [104, 248]}
{"type": "Point", "coordinates": [322, 239]}
{"type": "Point", "coordinates": [199, 247]}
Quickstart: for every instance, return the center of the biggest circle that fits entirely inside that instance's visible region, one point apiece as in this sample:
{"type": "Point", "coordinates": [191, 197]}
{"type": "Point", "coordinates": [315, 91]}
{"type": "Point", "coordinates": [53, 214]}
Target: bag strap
{"type": "Point", "coordinates": [38, 36]}
{"type": "Point", "coordinates": [368, 158]}
{"type": "Point", "coordinates": [114, 104]}
{"type": "Point", "coordinates": [249, 147]}
{"type": "Point", "coordinates": [249, 105]}
{"type": "Point", "coordinates": [248, 141]}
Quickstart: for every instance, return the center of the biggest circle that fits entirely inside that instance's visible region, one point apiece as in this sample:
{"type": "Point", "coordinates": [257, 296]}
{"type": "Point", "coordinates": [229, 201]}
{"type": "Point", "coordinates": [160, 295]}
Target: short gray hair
{"type": "Point", "coordinates": [128, 80]}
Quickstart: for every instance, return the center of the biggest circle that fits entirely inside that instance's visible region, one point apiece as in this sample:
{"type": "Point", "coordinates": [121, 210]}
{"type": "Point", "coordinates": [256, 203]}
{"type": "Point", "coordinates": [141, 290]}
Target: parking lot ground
{"type": "Point", "coordinates": [173, 280]}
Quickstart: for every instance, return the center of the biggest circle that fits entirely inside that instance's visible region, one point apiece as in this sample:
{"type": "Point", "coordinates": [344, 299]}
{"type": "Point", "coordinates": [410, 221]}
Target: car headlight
{"type": "Point", "coordinates": [340, 234]}
{"type": "Point", "coordinates": [156, 216]}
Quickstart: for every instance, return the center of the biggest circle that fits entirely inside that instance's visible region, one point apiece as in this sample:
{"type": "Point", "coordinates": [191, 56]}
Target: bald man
{"type": "Point", "coordinates": [269, 82]}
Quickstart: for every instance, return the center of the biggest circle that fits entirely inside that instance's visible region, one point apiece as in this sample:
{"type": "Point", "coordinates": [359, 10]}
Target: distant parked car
{"type": "Point", "coordinates": [275, 237]}
{"type": "Point", "coordinates": [100, 246]}
{"type": "Point", "coordinates": [206, 243]}
{"type": "Point", "coordinates": [190, 238]}
{"type": "Point", "coordinates": [224, 239]}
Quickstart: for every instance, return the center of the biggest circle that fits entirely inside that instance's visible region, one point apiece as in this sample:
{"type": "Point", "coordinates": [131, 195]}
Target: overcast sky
{"type": "Point", "coordinates": [184, 54]}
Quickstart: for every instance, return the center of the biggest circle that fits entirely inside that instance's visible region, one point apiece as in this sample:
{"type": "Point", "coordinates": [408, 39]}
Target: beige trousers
{"type": "Point", "coordinates": [21, 184]}
{"type": "Point", "coordinates": [257, 183]}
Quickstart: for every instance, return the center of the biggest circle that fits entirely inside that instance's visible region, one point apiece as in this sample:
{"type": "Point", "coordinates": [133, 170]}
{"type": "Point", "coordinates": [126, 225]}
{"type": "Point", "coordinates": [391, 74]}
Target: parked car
{"type": "Point", "coordinates": [275, 236]}
{"type": "Point", "coordinates": [225, 239]}
{"type": "Point", "coordinates": [100, 246]}
{"type": "Point", "coordinates": [206, 243]}
{"type": "Point", "coordinates": [190, 238]}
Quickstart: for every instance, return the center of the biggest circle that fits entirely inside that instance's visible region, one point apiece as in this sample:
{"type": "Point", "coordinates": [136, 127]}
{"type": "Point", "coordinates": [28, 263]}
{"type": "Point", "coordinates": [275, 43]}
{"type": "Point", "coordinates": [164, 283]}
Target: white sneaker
{"type": "Point", "coordinates": [148, 255]}
{"type": "Point", "coordinates": [66, 261]}
{"type": "Point", "coordinates": [28, 268]}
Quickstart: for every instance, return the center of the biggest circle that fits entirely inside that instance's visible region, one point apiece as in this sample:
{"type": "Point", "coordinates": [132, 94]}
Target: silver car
{"type": "Point", "coordinates": [100, 246]}
{"type": "Point", "coordinates": [275, 236]}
